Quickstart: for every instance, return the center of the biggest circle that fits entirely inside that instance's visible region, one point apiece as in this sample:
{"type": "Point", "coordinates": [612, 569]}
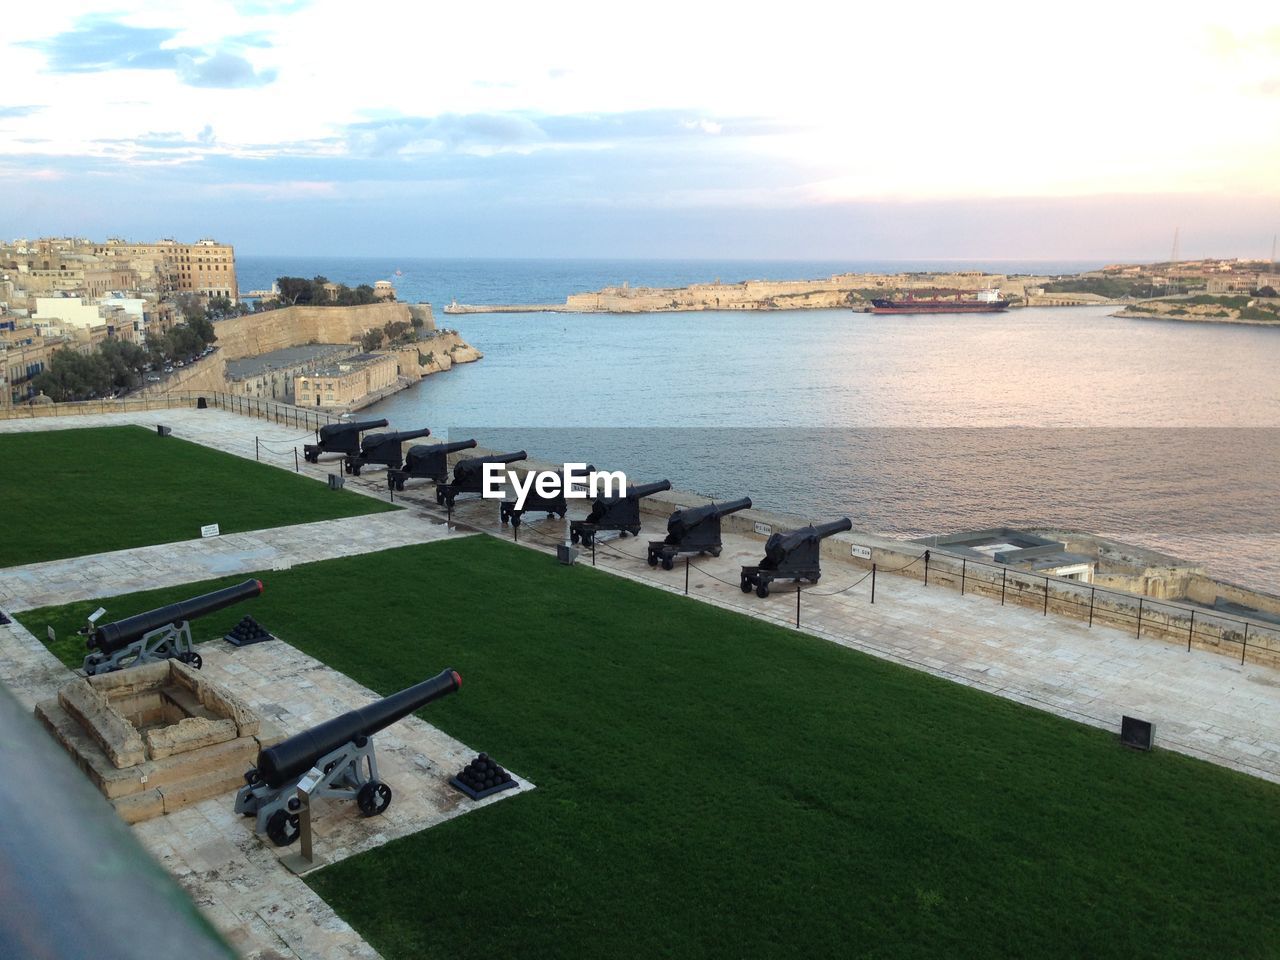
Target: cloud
{"type": "Point", "coordinates": [19, 111]}
{"type": "Point", "coordinates": [457, 131]}
{"type": "Point", "coordinates": [98, 43]}
{"type": "Point", "coordinates": [223, 70]}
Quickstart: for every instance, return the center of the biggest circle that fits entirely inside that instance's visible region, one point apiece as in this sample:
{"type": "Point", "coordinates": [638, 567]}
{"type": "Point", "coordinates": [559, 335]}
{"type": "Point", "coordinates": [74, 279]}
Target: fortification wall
{"type": "Point", "coordinates": [257, 333]}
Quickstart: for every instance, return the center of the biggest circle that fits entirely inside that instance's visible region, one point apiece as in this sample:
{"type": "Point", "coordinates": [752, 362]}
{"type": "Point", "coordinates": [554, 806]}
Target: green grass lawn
{"type": "Point", "coordinates": [710, 785]}
{"type": "Point", "coordinates": [68, 493]}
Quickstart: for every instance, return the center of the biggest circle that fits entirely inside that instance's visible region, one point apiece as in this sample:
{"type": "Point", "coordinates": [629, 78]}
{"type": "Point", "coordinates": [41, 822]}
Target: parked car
{"type": "Point", "coordinates": [154, 378]}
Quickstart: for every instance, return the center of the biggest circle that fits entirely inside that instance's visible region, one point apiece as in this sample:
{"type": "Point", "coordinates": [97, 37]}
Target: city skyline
{"type": "Point", "coordinates": [691, 132]}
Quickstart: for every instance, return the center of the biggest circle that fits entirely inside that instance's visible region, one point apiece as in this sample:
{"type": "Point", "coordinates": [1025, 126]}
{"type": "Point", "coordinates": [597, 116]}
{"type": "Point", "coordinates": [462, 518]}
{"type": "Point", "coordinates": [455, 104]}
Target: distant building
{"type": "Point", "coordinates": [347, 382]}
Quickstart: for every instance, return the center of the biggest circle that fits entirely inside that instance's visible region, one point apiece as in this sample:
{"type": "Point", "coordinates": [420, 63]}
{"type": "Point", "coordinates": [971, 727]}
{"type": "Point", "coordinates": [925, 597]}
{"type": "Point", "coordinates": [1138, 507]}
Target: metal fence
{"type": "Point", "coordinates": [273, 410]}
{"type": "Point", "coordinates": [1168, 619]}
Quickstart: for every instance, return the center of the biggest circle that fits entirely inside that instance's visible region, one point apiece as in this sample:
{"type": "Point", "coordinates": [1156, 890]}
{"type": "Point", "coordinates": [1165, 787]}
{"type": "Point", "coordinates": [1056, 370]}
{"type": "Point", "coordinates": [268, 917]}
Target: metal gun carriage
{"type": "Point", "coordinates": [615, 513]}
{"type": "Point", "coordinates": [386, 449]}
{"type": "Point", "coordinates": [791, 555]}
{"type": "Point", "coordinates": [468, 476]}
{"type": "Point", "coordinates": [159, 634]}
{"type": "Point", "coordinates": [534, 502]}
{"type": "Point", "coordinates": [426, 461]}
{"type": "Point", "coordinates": [338, 758]}
{"type": "Point", "coordinates": [693, 530]}
{"type": "Point", "coordinates": [342, 438]}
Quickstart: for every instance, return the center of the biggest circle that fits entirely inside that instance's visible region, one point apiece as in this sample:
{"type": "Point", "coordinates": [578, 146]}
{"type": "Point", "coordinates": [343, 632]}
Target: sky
{"type": "Point", "coordinates": [657, 130]}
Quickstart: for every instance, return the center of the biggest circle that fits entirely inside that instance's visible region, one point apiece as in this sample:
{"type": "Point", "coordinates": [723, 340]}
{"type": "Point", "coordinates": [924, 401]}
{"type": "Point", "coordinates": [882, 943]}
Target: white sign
{"type": "Point", "coordinates": [763, 529]}
{"type": "Point", "coordinates": [862, 553]}
{"type": "Point", "coordinates": [210, 530]}
{"type": "Point", "coordinates": [282, 563]}
{"type": "Point", "coordinates": [52, 635]}
{"type": "Point", "coordinates": [310, 779]}
{"type": "Point", "coordinates": [93, 617]}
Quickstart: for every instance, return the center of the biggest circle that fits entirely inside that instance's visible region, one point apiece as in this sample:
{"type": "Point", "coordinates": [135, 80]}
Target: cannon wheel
{"type": "Point", "coordinates": [193, 660]}
{"type": "Point", "coordinates": [439, 497]}
{"type": "Point", "coordinates": [311, 457]}
{"type": "Point", "coordinates": [373, 798]}
{"type": "Point", "coordinates": [714, 551]}
{"type": "Point", "coordinates": [746, 585]}
{"type": "Point", "coordinates": [653, 559]}
{"type": "Point", "coordinates": [762, 591]}
{"type": "Point", "coordinates": [400, 485]}
{"type": "Point", "coordinates": [573, 535]}
{"type": "Point", "coordinates": [355, 469]}
{"type": "Point", "coordinates": [282, 828]}
{"type": "Point", "coordinates": [668, 563]}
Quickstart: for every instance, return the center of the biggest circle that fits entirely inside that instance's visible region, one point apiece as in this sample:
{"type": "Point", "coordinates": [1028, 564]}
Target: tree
{"type": "Point", "coordinates": [294, 289]}
{"type": "Point", "coordinates": [1267, 291]}
{"type": "Point", "coordinates": [371, 340]}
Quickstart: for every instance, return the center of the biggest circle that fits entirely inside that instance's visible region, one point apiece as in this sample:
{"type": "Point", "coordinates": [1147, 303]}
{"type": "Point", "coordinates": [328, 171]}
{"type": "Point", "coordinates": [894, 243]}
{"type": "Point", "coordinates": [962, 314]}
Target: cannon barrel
{"type": "Point", "coordinates": [395, 436]}
{"type": "Point", "coordinates": [784, 542]}
{"type": "Point", "coordinates": [293, 757]}
{"type": "Point", "coordinates": [111, 637]}
{"type": "Point", "coordinates": [330, 430]}
{"type": "Point", "coordinates": [682, 520]}
{"type": "Point", "coordinates": [477, 463]}
{"type": "Point", "coordinates": [647, 489]}
{"type": "Point", "coordinates": [455, 446]}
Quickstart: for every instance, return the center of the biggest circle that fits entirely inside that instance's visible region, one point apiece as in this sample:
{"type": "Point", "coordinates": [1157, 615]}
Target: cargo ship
{"type": "Point", "coordinates": [986, 301]}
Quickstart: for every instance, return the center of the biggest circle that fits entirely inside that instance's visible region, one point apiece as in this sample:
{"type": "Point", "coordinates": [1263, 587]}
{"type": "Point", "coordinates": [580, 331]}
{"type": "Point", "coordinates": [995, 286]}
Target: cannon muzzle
{"type": "Point", "coordinates": [648, 489]}
{"type": "Point", "coordinates": [111, 637]}
{"type": "Point", "coordinates": [824, 530]}
{"type": "Point", "coordinates": [293, 757]}
{"type": "Point", "coordinates": [331, 430]}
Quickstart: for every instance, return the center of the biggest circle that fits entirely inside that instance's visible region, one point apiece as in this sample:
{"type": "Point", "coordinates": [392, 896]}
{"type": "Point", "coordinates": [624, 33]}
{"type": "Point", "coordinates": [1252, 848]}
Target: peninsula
{"type": "Point", "coordinates": [1118, 283]}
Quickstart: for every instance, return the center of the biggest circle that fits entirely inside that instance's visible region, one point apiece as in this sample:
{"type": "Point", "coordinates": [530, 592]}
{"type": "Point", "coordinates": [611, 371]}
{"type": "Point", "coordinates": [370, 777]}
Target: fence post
{"type": "Point", "coordinates": [926, 568]}
{"type": "Point", "coordinates": [798, 605]}
{"type": "Point", "coordinates": [1191, 630]}
{"type": "Point", "coordinates": [686, 576]}
{"type": "Point", "coordinates": [296, 468]}
{"type": "Point", "coordinates": [255, 449]}
{"type": "Point", "coordinates": [1046, 596]}
{"type": "Point", "coordinates": [1004, 576]}
{"type": "Point", "coordinates": [1245, 648]}
{"type": "Point", "coordinates": [964, 569]}
{"type": "Point", "coordinates": [1092, 589]}
{"type": "Point", "coordinates": [873, 583]}
{"type": "Point", "coordinates": [1139, 633]}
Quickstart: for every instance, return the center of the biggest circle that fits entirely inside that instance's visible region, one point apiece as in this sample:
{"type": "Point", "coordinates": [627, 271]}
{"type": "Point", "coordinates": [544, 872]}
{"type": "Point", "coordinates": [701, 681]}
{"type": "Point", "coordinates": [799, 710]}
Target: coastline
{"type": "Point", "coordinates": [1192, 318]}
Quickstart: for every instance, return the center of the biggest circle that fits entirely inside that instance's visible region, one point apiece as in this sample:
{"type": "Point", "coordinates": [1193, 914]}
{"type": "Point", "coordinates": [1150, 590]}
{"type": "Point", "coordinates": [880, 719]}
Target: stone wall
{"type": "Point", "coordinates": [257, 333]}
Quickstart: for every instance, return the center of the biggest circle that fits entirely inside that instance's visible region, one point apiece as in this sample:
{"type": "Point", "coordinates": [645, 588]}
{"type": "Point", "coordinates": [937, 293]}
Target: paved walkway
{"type": "Point", "coordinates": [188, 561]}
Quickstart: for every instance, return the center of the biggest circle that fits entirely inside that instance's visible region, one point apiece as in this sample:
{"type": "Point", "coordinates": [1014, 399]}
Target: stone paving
{"type": "Point", "coordinates": [189, 561]}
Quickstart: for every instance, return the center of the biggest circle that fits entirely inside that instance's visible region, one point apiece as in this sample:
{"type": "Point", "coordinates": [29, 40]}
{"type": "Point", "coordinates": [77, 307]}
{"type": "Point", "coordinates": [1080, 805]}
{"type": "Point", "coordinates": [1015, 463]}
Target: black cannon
{"type": "Point", "coordinates": [158, 634]}
{"type": "Point", "coordinates": [426, 461]}
{"type": "Point", "coordinates": [343, 438]}
{"type": "Point", "coordinates": [615, 513]}
{"type": "Point", "coordinates": [468, 475]}
{"type": "Point", "coordinates": [693, 530]}
{"type": "Point", "coordinates": [383, 448]}
{"type": "Point", "coordinates": [336, 759]}
{"type": "Point", "coordinates": [555, 504]}
{"type": "Point", "coordinates": [791, 555]}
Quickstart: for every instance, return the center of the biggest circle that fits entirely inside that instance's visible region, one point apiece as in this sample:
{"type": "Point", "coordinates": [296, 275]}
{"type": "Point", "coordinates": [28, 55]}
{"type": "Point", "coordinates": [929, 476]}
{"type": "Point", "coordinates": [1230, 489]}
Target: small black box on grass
{"type": "Point", "coordinates": [202, 403]}
{"type": "Point", "coordinates": [566, 554]}
{"type": "Point", "coordinates": [1139, 734]}
{"type": "Point", "coordinates": [163, 430]}
{"type": "Point", "coordinates": [336, 480]}
{"type": "Point", "coordinates": [482, 778]}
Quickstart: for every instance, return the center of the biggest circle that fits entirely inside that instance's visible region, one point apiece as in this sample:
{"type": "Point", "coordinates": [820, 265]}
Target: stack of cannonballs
{"type": "Point", "coordinates": [248, 631]}
{"type": "Point", "coordinates": [482, 777]}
